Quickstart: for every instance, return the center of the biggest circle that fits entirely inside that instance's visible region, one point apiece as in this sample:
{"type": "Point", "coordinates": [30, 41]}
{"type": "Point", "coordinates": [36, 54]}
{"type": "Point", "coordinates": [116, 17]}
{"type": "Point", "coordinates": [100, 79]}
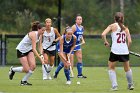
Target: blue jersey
{"type": "Point", "coordinates": [66, 45]}
{"type": "Point", "coordinates": [79, 34]}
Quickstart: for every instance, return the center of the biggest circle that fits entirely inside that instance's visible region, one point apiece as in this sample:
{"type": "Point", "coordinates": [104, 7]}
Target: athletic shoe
{"type": "Point", "coordinates": [55, 75]}
{"type": "Point", "coordinates": [114, 88]}
{"type": "Point", "coordinates": [11, 73]}
{"type": "Point", "coordinates": [44, 78]}
{"type": "Point", "coordinates": [24, 83]}
{"type": "Point", "coordinates": [81, 76]}
{"type": "Point", "coordinates": [130, 86]}
{"type": "Point", "coordinates": [68, 82]}
{"type": "Point", "coordinates": [49, 76]}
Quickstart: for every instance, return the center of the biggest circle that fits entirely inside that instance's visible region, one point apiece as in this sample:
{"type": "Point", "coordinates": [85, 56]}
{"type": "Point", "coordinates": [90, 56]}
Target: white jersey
{"type": "Point", "coordinates": [48, 38]}
{"type": "Point", "coordinates": [26, 44]}
{"type": "Point", "coordinates": [119, 45]}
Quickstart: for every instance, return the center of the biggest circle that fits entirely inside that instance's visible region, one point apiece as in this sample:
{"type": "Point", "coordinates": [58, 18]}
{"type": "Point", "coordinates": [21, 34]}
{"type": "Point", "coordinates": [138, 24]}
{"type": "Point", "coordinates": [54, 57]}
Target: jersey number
{"type": "Point", "coordinates": [79, 37]}
{"type": "Point", "coordinates": [49, 39]}
{"type": "Point", "coordinates": [121, 38]}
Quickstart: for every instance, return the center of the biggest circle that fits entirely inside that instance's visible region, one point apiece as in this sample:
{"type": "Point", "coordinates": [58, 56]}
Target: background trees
{"type": "Point", "coordinates": [16, 15]}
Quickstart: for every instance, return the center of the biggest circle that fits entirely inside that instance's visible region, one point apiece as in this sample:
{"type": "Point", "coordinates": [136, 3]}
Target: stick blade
{"type": "Point", "coordinates": [133, 53]}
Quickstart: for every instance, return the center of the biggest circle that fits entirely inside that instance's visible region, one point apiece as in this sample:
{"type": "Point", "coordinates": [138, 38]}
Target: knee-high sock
{"type": "Point", "coordinates": [129, 76]}
{"type": "Point", "coordinates": [79, 68]}
{"type": "Point", "coordinates": [44, 70]}
{"type": "Point", "coordinates": [26, 77]}
{"type": "Point", "coordinates": [17, 69]}
{"type": "Point", "coordinates": [112, 76]}
{"type": "Point", "coordinates": [60, 66]}
{"type": "Point", "coordinates": [67, 74]}
{"type": "Point", "coordinates": [49, 68]}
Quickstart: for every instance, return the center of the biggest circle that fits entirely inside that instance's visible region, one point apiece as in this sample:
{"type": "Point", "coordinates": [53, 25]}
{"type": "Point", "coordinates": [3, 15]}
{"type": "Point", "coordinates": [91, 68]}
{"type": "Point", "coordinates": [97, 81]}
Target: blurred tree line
{"type": "Point", "coordinates": [16, 15]}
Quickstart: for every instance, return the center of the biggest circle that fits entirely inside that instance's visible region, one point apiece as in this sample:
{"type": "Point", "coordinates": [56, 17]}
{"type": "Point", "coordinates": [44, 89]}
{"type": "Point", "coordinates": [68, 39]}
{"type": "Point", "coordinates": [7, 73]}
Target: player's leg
{"type": "Point", "coordinates": [128, 72]}
{"type": "Point", "coordinates": [60, 66]}
{"type": "Point", "coordinates": [112, 75]}
{"type": "Point", "coordinates": [17, 69]}
{"type": "Point", "coordinates": [67, 72]}
{"type": "Point", "coordinates": [28, 66]}
{"type": "Point", "coordinates": [50, 66]}
{"type": "Point", "coordinates": [78, 54]}
{"type": "Point", "coordinates": [44, 70]}
{"type": "Point", "coordinates": [13, 70]}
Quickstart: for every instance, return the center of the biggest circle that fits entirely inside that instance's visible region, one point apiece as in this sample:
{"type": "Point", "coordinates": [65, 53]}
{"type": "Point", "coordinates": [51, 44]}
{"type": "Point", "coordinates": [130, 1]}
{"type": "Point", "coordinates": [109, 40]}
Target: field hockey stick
{"type": "Point", "coordinates": [79, 44]}
{"type": "Point", "coordinates": [41, 55]}
{"type": "Point", "coordinates": [71, 71]}
{"type": "Point", "coordinates": [134, 53]}
{"type": "Point", "coordinates": [49, 46]}
{"type": "Point", "coordinates": [45, 68]}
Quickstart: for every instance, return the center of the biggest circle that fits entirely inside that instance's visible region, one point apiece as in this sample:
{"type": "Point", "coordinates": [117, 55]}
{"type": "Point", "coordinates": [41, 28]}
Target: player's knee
{"type": "Point", "coordinates": [26, 70]}
{"type": "Point", "coordinates": [46, 61]}
{"type": "Point", "coordinates": [32, 67]}
{"type": "Point", "coordinates": [111, 67]}
{"type": "Point", "coordinates": [79, 59]}
{"type": "Point", "coordinates": [126, 69]}
{"type": "Point", "coordinates": [66, 66]}
{"type": "Point", "coordinates": [51, 63]}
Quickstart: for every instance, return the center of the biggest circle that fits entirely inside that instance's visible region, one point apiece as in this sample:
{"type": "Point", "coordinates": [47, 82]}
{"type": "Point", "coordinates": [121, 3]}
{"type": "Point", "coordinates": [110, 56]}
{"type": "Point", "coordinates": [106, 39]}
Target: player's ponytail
{"type": "Point", "coordinates": [119, 18]}
{"type": "Point", "coordinates": [34, 26]}
{"type": "Point", "coordinates": [39, 26]}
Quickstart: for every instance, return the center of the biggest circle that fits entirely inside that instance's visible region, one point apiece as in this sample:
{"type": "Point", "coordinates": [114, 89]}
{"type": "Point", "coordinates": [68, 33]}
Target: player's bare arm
{"type": "Point", "coordinates": [73, 28]}
{"type": "Point", "coordinates": [57, 34]}
{"type": "Point", "coordinates": [32, 35]}
{"type": "Point", "coordinates": [61, 54]}
{"type": "Point", "coordinates": [74, 44]}
{"type": "Point", "coordinates": [40, 45]}
{"type": "Point", "coordinates": [129, 40]}
{"type": "Point", "coordinates": [105, 32]}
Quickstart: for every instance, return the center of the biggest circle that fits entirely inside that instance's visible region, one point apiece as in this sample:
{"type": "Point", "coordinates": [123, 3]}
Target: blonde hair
{"type": "Point", "coordinates": [48, 19]}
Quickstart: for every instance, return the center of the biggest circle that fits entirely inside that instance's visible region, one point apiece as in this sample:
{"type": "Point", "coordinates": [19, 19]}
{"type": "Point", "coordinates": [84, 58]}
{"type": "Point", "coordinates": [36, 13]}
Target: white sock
{"type": "Point", "coordinates": [26, 77]}
{"type": "Point", "coordinates": [112, 76]}
{"type": "Point", "coordinates": [44, 70]}
{"type": "Point", "coordinates": [49, 68]}
{"type": "Point", "coordinates": [129, 76]}
{"type": "Point", "coordinates": [17, 69]}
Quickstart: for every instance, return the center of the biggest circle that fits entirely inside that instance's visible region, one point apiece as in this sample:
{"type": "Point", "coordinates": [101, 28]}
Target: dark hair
{"type": "Point", "coordinates": [39, 26]}
{"type": "Point", "coordinates": [34, 25]}
{"type": "Point", "coordinates": [78, 15]}
{"type": "Point", "coordinates": [119, 18]}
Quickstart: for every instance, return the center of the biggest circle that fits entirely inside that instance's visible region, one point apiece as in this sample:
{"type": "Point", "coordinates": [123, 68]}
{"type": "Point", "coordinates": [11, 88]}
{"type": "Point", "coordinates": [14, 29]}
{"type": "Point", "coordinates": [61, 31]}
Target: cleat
{"type": "Point", "coordinates": [11, 73]}
{"type": "Point", "coordinates": [81, 76]}
{"type": "Point", "coordinates": [55, 75]}
{"type": "Point", "coordinates": [130, 86]}
{"type": "Point", "coordinates": [44, 78]}
{"type": "Point", "coordinates": [49, 76]}
{"type": "Point", "coordinates": [68, 82]}
{"type": "Point", "coordinates": [114, 88]}
{"type": "Point", "coordinates": [25, 83]}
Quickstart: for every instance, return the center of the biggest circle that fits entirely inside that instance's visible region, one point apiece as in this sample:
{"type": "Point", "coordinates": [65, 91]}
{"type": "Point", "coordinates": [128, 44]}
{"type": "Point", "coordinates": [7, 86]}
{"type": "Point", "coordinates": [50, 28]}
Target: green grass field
{"type": "Point", "coordinates": [97, 82]}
